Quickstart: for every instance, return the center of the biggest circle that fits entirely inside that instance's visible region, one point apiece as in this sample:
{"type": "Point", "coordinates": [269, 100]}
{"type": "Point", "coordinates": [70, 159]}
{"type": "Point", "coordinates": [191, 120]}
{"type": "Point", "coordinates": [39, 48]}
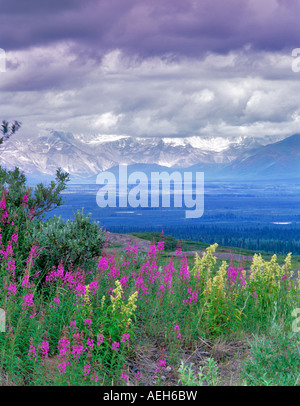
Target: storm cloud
{"type": "Point", "coordinates": [151, 68]}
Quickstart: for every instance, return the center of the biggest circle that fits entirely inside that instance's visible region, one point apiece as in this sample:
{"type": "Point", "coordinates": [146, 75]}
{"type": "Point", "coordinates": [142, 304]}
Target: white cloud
{"type": "Point", "coordinates": [242, 93]}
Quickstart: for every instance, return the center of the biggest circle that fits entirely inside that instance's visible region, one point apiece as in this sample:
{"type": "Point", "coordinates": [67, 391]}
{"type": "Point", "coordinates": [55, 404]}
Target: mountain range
{"type": "Point", "coordinates": [219, 158]}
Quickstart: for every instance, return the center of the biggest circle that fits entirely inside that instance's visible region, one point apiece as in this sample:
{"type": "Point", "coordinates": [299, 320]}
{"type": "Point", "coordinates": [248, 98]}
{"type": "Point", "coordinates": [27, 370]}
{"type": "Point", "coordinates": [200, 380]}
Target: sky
{"type": "Point", "coordinates": [163, 68]}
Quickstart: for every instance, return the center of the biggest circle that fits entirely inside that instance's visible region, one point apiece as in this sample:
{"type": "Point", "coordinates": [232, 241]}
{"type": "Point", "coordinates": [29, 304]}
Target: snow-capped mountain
{"type": "Point", "coordinates": [85, 156]}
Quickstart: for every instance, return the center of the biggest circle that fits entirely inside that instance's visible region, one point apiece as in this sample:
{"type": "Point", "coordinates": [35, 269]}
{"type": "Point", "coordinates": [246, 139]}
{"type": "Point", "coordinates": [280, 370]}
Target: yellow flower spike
{"type": "Point", "coordinates": [129, 309]}
{"type": "Point", "coordinates": [218, 280]}
{"type": "Point", "coordinates": [117, 297]}
{"type": "Point", "coordinates": [204, 264]}
{"type": "Point", "coordinates": [287, 265]}
{"type": "Point", "coordinates": [102, 302]}
{"type": "Point", "coordinates": [208, 288]}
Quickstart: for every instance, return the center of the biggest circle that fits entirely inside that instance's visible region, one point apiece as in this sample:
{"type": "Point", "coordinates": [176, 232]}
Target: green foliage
{"type": "Point", "coordinates": [209, 374]}
{"type": "Point", "coordinates": [72, 242]}
{"type": "Point", "coordinates": [274, 359]}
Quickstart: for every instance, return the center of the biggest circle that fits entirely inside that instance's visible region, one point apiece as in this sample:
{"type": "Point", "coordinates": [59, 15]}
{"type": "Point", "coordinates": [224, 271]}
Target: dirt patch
{"type": "Point", "coordinates": [125, 240]}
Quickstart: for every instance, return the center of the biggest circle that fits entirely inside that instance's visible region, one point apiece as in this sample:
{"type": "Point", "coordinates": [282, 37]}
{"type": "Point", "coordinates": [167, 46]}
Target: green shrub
{"type": "Point", "coordinates": [273, 359]}
{"type": "Point", "coordinates": [72, 242]}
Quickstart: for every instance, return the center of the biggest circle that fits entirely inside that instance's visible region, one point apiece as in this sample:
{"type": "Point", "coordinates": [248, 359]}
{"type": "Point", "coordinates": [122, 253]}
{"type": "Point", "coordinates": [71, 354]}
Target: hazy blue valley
{"type": "Point", "coordinates": [255, 215]}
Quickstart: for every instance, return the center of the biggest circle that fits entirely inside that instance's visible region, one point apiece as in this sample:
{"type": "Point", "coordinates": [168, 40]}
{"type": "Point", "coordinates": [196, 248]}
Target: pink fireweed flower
{"type": "Point", "coordinates": [284, 277]}
{"type": "Point", "coordinates": [14, 238]}
{"type": "Point", "coordinates": [4, 217]}
{"type": "Point", "coordinates": [193, 296]}
{"type": "Point", "coordinates": [131, 250]}
{"type": "Point", "coordinates": [93, 286]}
{"type": "Point", "coordinates": [77, 350]}
{"type": "Point", "coordinates": [124, 376]}
{"type": "Point", "coordinates": [114, 272]}
{"type": "Point", "coordinates": [27, 300]}
{"type": "Point", "coordinates": [88, 322]}
{"type": "Point", "coordinates": [178, 252]}
{"type": "Point", "coordinates": [32, 351]}
{"type": "Point", "coordinates": [124, 281]}
{"type": "Point", "coordinates": [176, 328]}
{"type": "Point", "coordinates": [162, 364]}
{"type": "Point", "coordinates": [25, 199]}
{"type": "Point", "coordinates": [33, 253]}
{"type": "Point", "coordinates": [102, 264]}
{"type": "Point", "coordinates": [9, 251]}
{"type": "Point", "coordinates": [253, 294]}
{"type": "Point", "coordinates": [125, 339]}
{"type": "Point", "coordinates": [12, 289]}
{"type": "Point", "coordinates": [90, 343]}
{"type": "Point", "coordinates": [25, 281]}
{"type": "Point", "coordinates": [94, 378]}
{"type": "Point", "coordinates": [63, 347]}
{"type": "Point", "coordinates": [115, 346]}
{"type": "Point", "coordinates": [80, 290]}
{"type": "Point", "coordinates": [31, 214]}
{"type": "Point", "coordinates": [45, 349]}
{"type": "Point", "coordinates": [100, 339]}
{"type": "Point", "coordinates": [56, 300]}
{"type": "Point", "coordinates": [152, 251]}
{"type": "Point", "coordinates": [62, 367]}
{"type": "Point", "coordinates": [2, 203]}
{"type": "Point", "coordinates": [184, 270]}
{"type": "Point", "coordinates": [138, 375]}
{"type": "Point", "coordinates": [11, 266]}
{"type": "Point", "coordinates": [86, 370]}
{"type": "Point", "coordinates": [160, 246]}
{"type": "Point", "coordinates": [73, 324]}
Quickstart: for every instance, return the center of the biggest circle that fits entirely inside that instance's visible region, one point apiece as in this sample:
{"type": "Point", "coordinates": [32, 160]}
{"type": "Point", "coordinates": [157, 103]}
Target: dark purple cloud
{"type": "Point", "coordinates": [153, 27]}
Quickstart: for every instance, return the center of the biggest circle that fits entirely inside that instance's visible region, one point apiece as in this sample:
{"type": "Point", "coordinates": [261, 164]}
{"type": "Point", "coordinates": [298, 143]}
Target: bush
{"type": "Point", "coordinates": [72, 242]}
{"type": "Point", "coordinates": [273, 360]}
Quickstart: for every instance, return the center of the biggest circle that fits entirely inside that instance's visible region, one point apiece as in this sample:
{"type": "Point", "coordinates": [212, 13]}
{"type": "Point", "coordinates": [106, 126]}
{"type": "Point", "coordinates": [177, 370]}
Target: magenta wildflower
{"type": "Point", "coordinates": [2, 203]}
{"type": "Point", "coordinates": [56, 300]}
{"type": "Point", "coordinates": [33, 253]}
{"type": "Point", "coordinates": [90, 343]}
{"type": "Point", "coordinates": [77, 350]}
{"type": "Point", "coordinates": [88, 322]}
{"type": "Point", "coordinates": [28, 300]}
{"type": "Point", "coordinates": [32, 351]}
{"type": "Point", "coordinates": [124, 376]}
{"type": "Point", "coordinates": [12, 289]}
{"type": "Point", "coordinates": [138, 375]}
{"type": "Point", "coordinates": [25, 199]}
{"type": "Point", "coordinates": [177, 329]}
{"type": "Point", "coordinates": [184, 270]}
{"type": "Point", "coordinates": [162, 364]}
{"type": "Point", "coordinates": [93, 286]}
{"type": "Point", "coordinates": [62, 367]}
{"type": "Point", "coordinates": [102, 264]}
{"type": "Point", "coordinates": [73, 324]}
{"type": "Point", "coordinates": [63, 347]}
{"type": "Point", "coordinates": [86, 370]}
{"type": "Point", "coordinates": [115, 346]}
{"type": "Point", "coordinates": [25, 281]}
{"type": "Point", "coordinates": [125, 339]}
{"type": "Point", "coordinates": [178, 252]}
{"type": "Point", "coordinates": [94, 378]}
{"type": "Point", "coordinates": [100, 339]}
{"type": "Point", "coordinates": [45, 349]}
{"type": "Point", "coordinates": [14, 238]}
